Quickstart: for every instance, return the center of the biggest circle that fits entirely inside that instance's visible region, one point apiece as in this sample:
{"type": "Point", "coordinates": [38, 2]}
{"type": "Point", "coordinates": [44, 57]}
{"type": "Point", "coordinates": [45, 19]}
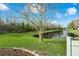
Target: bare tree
{"type": "Point", "coordinates": [36, 15]}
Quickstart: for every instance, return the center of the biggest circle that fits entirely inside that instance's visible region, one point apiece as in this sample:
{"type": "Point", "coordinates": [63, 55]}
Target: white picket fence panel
{"type": "Point", "coordinates": [72, 47]}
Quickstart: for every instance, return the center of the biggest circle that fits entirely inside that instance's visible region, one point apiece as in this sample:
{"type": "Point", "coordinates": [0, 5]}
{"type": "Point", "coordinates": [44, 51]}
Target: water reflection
{"type": "Point", "coordinates": [55, 34]}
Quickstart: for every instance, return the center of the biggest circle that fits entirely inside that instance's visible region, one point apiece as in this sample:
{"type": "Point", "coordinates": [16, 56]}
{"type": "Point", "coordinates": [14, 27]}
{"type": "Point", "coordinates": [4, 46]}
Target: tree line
{"type": "Point", "coordinates": [9, 26]}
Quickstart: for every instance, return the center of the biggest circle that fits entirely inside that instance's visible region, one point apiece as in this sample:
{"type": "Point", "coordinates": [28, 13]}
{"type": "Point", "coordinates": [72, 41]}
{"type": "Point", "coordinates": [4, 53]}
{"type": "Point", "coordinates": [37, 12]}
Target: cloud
{"type": "Point", "coordinates": [3, 7]}
{"type": "Point", "coordinates": [54, 22]}
{"type": "Point", "coordinates": [71, 11]}
{"type": "Point", "coordinates": [34, 9]}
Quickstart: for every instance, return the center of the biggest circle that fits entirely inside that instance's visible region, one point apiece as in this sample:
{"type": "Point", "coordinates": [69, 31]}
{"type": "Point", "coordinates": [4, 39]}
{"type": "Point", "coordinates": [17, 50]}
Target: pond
{"type": "Point", "coordinates": [55, 34]}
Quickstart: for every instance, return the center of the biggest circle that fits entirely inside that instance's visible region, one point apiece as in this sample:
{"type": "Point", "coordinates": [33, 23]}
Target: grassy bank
{"type": "Point", "coordinates": [55, 46]}
{"type": "Point", "coordinates": [74, 31]}
{"type": "Point", "coordinates": [75, 34]}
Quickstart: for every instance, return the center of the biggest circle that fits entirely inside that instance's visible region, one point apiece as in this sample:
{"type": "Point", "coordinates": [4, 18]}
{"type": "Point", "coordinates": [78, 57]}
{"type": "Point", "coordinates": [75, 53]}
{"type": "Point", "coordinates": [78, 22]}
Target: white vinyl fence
{"type": "Point", "coordinates": [72, 47]}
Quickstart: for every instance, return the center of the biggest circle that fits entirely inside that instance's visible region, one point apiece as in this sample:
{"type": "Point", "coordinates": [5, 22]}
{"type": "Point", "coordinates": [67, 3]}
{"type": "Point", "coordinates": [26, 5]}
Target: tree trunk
{"type": "Point", "coordinates": [40, 37]}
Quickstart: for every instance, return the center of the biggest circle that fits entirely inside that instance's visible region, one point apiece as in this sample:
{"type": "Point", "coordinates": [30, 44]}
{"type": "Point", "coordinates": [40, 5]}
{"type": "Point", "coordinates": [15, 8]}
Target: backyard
{"type": "Point", "coordinates": [43, 29]}
{"type": "Point", "coordinates": [54, 46]}
{"type": "Point", "coordinates": [33, 27]}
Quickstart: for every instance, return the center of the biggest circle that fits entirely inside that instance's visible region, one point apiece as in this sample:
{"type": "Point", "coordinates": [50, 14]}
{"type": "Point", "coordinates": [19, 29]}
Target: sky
{"type": "Point", "coordinates": [63, 14]}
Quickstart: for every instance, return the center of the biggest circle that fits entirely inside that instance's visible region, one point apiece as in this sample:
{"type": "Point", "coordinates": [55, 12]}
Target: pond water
{"type": "Point", "coordinates": [56, 34]}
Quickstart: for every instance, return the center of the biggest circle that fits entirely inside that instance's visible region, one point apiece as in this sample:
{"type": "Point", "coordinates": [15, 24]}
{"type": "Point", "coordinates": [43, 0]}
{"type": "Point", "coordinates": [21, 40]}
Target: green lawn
{"type": "Point", "coordinates": [55, 46]}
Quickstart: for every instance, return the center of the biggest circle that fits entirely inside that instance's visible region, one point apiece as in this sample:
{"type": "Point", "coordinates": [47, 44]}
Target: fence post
{"type": "Point", "coordinates": [69, 46]}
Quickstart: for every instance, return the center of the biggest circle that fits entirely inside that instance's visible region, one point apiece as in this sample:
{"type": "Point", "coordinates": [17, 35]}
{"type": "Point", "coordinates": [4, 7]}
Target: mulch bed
{"type": "Point", "coordinates": [13, 52]}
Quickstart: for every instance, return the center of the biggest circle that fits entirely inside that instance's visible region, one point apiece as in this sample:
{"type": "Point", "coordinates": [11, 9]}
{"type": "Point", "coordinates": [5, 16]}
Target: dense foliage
{"type": "Point", "coordinates": [16, 27]}
{"type": "Point", "coordinates": [74, 25]}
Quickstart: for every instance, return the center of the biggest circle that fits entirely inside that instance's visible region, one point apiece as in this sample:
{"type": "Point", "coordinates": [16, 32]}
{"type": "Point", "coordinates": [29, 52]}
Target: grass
{"type": "Point", "coordinates": [74, 31]}
{"type": "Point", "coordinates": [55, 46]}
{"type": "Point", "coordinates": [76, 34]}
